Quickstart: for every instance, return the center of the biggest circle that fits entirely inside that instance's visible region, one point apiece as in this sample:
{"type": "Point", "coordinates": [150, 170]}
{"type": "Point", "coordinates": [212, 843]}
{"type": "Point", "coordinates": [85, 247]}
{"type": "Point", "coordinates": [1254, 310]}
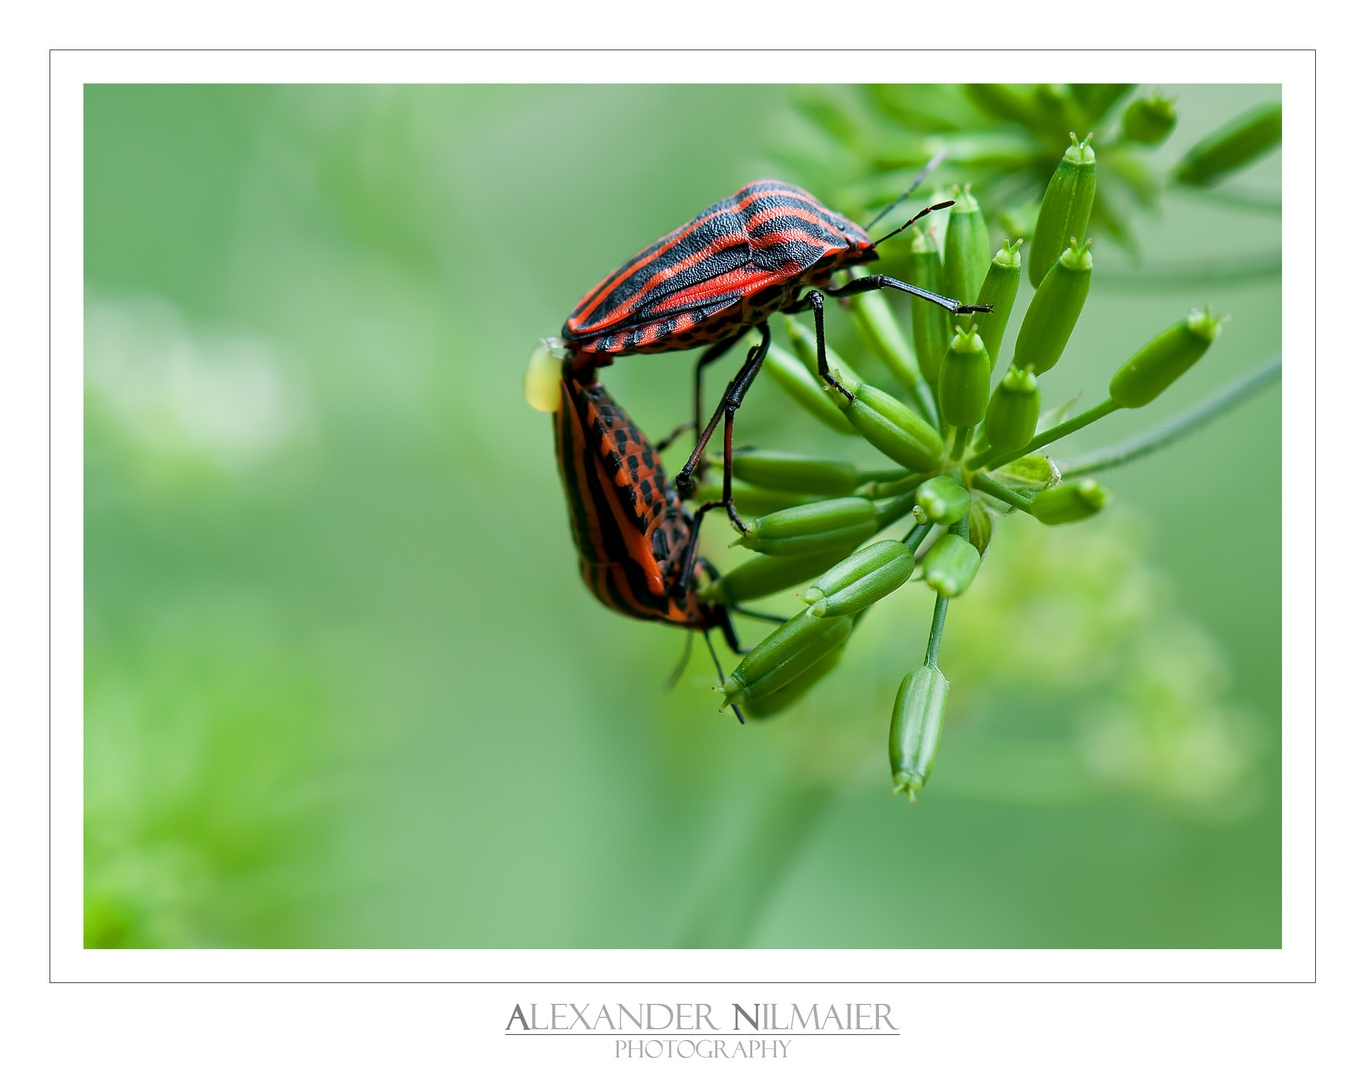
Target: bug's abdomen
{"type": "Point", "coordinates": [629, 526]}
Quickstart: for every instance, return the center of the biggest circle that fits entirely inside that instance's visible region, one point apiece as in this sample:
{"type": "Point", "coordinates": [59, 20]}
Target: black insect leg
{"type": "Point", "coordinates": [710, 356]}
{"type": "Point", "coordinates": [882, 281]}
{"type": "Point", "coordinates": [816, 303]}
{"type": "Point", "coordinates": [730, 401]}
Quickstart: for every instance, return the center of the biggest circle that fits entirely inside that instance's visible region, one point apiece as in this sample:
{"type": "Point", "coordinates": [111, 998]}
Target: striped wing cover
{"type": "Point", "coordinates": [629, 525]}
{"type": "Point", "coordinates": [768, 233]}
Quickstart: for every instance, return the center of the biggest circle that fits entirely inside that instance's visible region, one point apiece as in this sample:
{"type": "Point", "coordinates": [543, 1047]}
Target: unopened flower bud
{"type": "Point", "coordinates": [813, 527]}
{"type": "Point", "coordinates": [862, 579]}
{"type": "Point", "coordinates": [1242, 140]}
{"type": "Point", "coordinates": [1074, 501]}
{"type": "Point", "coordinates": [967, 250]}
{"type": "Point", "coordinates": [929, 322]}
{"type": "Point", "coordinates": [1053, 311]}
{"type": "Point", "coordinates": [893, 428]}
{"type": "Point", "coordinates": [943, 499]}
{"type": "Point", "coordinates": [1149, 119]}
{"type": "Point", "coordinates": [783, 655]}
{"type": "Point", "coordinates": [965, 379]}
{"type": "Point", "coordinates": [765, 575]}
{"type": "Point", "coordinates": [998, 292]}
{"type": "Point", "coordinates": [917, 719]}
{"type": "Point", "coordinates": [1066, 208]}
{"type": "Point", "coordinates": [1013, 412]}
{"type": "Point", "coordinates": [950, 565]}
{"type": "Point", "coordinates": [784, 471]}
{"type": "Point", "coordinates": [1164, 359]}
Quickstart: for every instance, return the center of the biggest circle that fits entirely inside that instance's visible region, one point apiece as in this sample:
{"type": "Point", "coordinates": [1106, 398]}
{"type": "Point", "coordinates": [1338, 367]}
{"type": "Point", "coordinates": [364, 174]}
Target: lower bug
{"type": "Point", "coordinates": [771, 247]}
{"type": "Point", "coordinates": [636, 542]}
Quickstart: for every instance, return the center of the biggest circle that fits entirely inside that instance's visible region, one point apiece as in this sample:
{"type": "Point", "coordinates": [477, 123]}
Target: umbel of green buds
{"type": "Point", "coordinates": [950, 565]}
{"type": "Point", "coordinates": [1066, 208]}
{"type": "Point", "coordinates": [1164, 359]}
{"type": "Point", "coordinates": [783, 655]}
{"type": "Point", "coordinates": [1053, 311]}
{"type": "Point", "coordinates": [1243, 139]}
{"type": "Point", "coordinates": [765, 575]}
{"type": "Point", "coordinates": [998, 291]}
{"type": "Point", "coordinates": [827, 525]}
{"type": "Point", "coordinates": [965, 379]}
{"type": "Point", "coordinates": [1149, 119]}
{"type": "Point", "coordinates": [784, 471]}
{"type": "Point", "coordinates": [862, 579]}
{"type": "Point", "coordinates": [893, 428]}
{"type": "Point", "coordinates": [1013, 412]}
{"type": "Point", "coordinates": [929, 322]}
{"type": "Point", "coordinates": [943, 499]}
{"type": "Point", "coordinates": [1073, 501]}
{"type": "Point", "coordinates": [967, 248]}
{"type": "Point", "coordinates": [917, 719]}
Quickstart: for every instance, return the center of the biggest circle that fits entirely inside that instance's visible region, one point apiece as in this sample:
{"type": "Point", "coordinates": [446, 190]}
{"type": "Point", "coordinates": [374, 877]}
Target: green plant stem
{"type": "Point", "coordinates": [1178, 427]}
{"type": "Point", "coordinates": [960, 442]}
{"type": "Point", "coordinates": [1000, 491]}
{"type": "Point", "coordinates": [994, 459]}
{"type": "Point", "coordinates": [895, 510]}
{"type": "Point", "coordinates": [916, 536]}
{"type": "Point", "coordinates": [941, 610]}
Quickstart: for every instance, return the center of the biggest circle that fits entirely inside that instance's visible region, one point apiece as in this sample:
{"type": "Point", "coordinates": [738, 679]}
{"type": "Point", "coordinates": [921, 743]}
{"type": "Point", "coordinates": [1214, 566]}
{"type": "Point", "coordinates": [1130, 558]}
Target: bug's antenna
{"type": "Point", "coordinates": [928, 209]}
{"type": "Point", "coordinates": [720, 674]}
{"type": "Point", "coordinates": [682, 664]}
{"type": "Point", "coordinates": [930, 166]}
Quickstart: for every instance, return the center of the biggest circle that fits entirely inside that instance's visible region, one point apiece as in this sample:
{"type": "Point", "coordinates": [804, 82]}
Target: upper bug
{"type": "Point", "coordinates": [770, 247]}
{"type": "Point", "coordinates": [728, 269]}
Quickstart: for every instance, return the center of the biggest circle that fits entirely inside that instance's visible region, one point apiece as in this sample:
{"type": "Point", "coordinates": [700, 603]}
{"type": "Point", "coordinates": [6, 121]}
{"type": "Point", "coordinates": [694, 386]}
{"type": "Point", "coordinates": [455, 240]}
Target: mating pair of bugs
{"type": "Point", "coordinates": [771, 247]}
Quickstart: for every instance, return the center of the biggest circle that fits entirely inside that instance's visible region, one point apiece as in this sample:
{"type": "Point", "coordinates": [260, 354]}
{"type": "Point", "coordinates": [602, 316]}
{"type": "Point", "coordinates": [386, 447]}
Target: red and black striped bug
{"type": "Point", "coordinates": [636, 541]}
{"type": "Point", "coordinates": [717, 277]}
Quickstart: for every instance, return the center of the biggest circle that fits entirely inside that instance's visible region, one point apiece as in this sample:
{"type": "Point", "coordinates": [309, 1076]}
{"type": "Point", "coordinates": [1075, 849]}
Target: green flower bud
{"type": "Point", "coordinates": [784, 471]}
{"type": "Point", "coordinates": [766, 705]}
{"type": "Point", "coordinates": [951, 564]}
{"type": "Point", "coordinates": [967, 249]}
{"type": "Point", "coordinates": [980, 525]}
{"type": "Point", "coordinates": [754, 501]}
{"type": "Point", "coordinates": [1053, 311]}
{"type": "Point", "coordinates": [1164, 359]}
{"type": "Point", "coordinates": [893, 428]}
{"type": "Point", "coordinates": [800, 385]}
{"type": "Point", "coordinates": [1072, 501]}
{"type": "Point", "coordinates": [862, 579]}
{"type": "Point", "coordinates": [1242, 140]}
{"type": "Point", "coordinates": [998, 290]}
{"type": "Point", "coordinates": [804, 345]}
{"type": "Point", "coordinates": [765, 575]}
{"type": "Point", "coordinates": [943, 499]}
{"type": "Point", "coordinates": [820, 526]}
{"type": "Point", "coordinates": [1149, 119]}
{"type": "Point", "coordinates": [917, 718]}
{"type": "Point", "coordinates": [965, 379]}
{"type": "Point", "coordinates": [1013, 411]}
{"type": "Point", "coordinates": [541, 380]}
{"type": "Point", "coordinates": [787, 652]}
{"type": "Point", "coordinates": [929, 322]}
{"type": "Point", "coordinates": [1066, 208]}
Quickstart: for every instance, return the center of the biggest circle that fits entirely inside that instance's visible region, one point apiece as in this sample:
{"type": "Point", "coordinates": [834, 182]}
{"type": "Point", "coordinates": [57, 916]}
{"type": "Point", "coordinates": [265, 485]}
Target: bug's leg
{"type": "Point", "coordinates": [684, 580]}
{"type": "Point", "coordinates": [717, 661]}
{"type": "Point", "coordinates": [816, 303]}
{"type": "Point", "coordinates": [882, 281]}
{"type": "Point", "coordinates": [730, 401]}
{"type": "Point", "coordinates": [714, 353]}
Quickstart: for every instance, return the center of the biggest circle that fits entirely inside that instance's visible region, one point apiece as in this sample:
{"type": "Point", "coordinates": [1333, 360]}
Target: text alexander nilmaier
{"type": "Point", "coordinates": [661, 1017]}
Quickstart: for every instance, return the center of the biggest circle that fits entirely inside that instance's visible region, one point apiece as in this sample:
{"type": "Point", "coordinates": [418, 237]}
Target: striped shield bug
{"type": "Point", "coordinates": [637, 543]}
{"type": "Point", "coordinates": [771, 247]}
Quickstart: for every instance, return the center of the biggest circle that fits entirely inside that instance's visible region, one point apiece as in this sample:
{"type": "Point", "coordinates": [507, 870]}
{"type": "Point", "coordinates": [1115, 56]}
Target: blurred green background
{"type": "Point", "coordinates": [344, 687]}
